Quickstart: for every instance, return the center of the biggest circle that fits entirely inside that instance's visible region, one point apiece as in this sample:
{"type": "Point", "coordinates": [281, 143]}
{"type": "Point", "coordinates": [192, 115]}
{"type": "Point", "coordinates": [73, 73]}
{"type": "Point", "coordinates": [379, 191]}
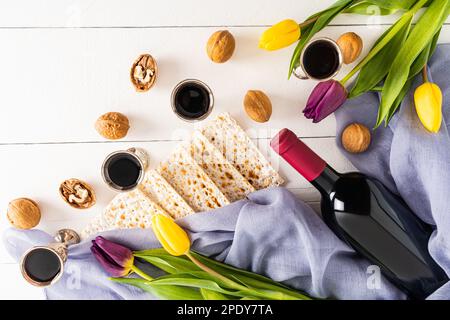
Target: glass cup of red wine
{"type": "Point", "coordinates": [43, 266]}
{"type": "Point", "coordinates": [125, 170]}
{"type": "Point", "coordinates": [192, 100]}
{"type": "Point", "coordinates": [321, 60]}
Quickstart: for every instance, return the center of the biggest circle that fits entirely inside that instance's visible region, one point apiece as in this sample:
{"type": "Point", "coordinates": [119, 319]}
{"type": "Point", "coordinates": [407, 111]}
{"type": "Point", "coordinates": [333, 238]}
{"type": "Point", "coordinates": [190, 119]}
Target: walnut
{"type": "Point", "coordinates": [257, 105]}
{"type": "Point", "coordinates": [77, 194]}
{"type": "Point", "coordinates": [356, 138]}
{"type": "Point", "coordinates": [351, 46]}
{"type": "Point", "coordinates": [220, 46]}
{"type": "Point", "coordinates": [24, 213]}
{"type": "Point", "coordinates": [143, 72]}
{"type": "Point", "coordinates": [112, 125]}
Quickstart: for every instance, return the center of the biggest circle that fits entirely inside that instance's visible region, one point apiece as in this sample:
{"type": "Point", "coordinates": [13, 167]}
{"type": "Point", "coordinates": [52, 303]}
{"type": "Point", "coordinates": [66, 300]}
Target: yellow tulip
{"type": "Point", "coordinates": [280, 35]}
{"type": "Point", "coordinates": [171, 236]}
{"type": "Point", "coordinates": [428, 101]}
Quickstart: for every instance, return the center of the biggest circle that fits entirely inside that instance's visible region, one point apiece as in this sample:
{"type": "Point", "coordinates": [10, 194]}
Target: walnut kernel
{"type": "Point", "coordinates": [77, 194]}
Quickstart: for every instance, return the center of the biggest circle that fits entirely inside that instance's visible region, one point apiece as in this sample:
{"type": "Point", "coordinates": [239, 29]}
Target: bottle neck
{"type": "Point", "coordinates": [298, 154]}
{"type": "Point", "coordinates": [304, 160]}
{"type": "Point", "coordinates": [326, 180]}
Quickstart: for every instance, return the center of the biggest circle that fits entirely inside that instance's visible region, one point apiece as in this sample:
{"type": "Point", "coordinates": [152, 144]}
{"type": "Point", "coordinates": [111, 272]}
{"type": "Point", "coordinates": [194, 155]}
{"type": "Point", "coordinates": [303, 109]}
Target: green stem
{"type": "Point", "coordinates": [308, 22]}
{"type": "Point", "coordinates": [236, 286]}
{"type": "Point", "coordinates": [141, 273]}
{"type": "Point", "coordinates": [380, 45]}
{"type": "Point", "coordinates": [214, 273]}
{"type": "Point", "coordinates": [424, 74]}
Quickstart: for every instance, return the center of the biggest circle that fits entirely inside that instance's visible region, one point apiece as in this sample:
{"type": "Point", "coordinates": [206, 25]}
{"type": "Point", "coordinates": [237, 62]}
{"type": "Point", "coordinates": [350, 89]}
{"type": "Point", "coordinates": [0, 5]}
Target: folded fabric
{"type": "Point", "coordinates": [409, 160]}
{"type": "Point", "coordinates": [300, 251]}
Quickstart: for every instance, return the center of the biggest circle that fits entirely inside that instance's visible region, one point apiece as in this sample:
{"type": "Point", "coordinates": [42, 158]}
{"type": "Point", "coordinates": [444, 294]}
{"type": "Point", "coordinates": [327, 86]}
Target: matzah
{"type": "Point", "coordinates": [191, 182]}
{"type": "Point", "coordinates": [96, 226]}
{"type": "Point", "coordinates": [226, 177]}
{"type": "Point", "coordinates": [127, 210]}
{"type": "Point", "coordinates": [236, 146]}
{"type": "Point", "coordinates": [161, 192]}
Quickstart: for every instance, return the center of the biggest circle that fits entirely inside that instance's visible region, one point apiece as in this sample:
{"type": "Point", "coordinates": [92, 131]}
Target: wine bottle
{"type": "Point", "coordinates": [368, 217]}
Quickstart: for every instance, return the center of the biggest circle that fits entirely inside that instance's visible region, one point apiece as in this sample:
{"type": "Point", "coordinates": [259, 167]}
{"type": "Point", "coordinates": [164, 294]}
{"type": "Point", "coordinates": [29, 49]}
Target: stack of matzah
{"type": "Point", "coordinates": [217, 166]}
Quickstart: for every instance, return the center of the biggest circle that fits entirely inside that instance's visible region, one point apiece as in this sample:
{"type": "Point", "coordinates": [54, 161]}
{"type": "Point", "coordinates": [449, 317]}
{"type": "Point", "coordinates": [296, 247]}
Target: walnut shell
{"type": "Point", "coordinates": [257, 105]}
{"type": "Point", "coordinates": [351, 46]}
{"type": "Point", "coordinates": [143, 73]}
{"type": "Point", "coordinates": [220, 46]}
{"type": "Point", "coordinates": [78, 194]}
{"type": "Point", "coordinates": [112, 125]}
{"type": "Point", "coordinates": [356, 138]}
{"type": "Point", "coordinates": [24, 213]}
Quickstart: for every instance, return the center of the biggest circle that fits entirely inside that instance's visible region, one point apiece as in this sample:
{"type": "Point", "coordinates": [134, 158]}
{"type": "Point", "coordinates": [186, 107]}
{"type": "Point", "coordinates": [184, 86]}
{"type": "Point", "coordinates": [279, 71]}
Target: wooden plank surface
{"type": "Point", "coordinates": [60, 81]}
{"type": "Point", "coordinates": [65, 62]}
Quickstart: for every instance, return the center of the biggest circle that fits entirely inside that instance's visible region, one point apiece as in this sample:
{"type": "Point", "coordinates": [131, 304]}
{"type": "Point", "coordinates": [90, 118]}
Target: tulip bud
{"type": "Point", "coordinates": [280, 35]}
{"type": "Point", "coordinates": [325, 98]}
{"type": "Point", "coordinates": [116, 259]}
{"type": "Point", "coordinates": [428, 101]}
{"type": "Point", "coordinates": [171, 236]}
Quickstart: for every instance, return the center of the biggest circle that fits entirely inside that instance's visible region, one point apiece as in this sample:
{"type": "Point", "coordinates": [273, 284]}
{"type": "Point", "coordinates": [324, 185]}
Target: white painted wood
{"type": "Point", "coordinates": [60, 80]}
{"type": "Point", "coordinates": [145, 13]}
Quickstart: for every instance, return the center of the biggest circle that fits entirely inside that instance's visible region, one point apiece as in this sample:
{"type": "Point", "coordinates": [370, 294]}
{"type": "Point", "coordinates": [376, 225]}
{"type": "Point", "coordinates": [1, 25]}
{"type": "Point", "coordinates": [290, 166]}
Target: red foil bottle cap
{"type": "Point", "coordinates": [298, 154]}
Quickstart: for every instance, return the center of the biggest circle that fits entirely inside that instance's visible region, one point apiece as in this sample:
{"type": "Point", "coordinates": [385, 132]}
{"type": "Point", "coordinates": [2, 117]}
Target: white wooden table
{"type": "Point", "coordinates": [63, 63]}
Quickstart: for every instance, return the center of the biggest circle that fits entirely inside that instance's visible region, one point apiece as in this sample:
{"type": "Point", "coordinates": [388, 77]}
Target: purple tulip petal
{"type": "Point", "coordinates": [316, 95]}
{"type": "Point", "coordinates": [109, 266]}
{"type": "Point", "coordinates": [325, 98]}
{"type": "Point", "coordinates": [121, 255]}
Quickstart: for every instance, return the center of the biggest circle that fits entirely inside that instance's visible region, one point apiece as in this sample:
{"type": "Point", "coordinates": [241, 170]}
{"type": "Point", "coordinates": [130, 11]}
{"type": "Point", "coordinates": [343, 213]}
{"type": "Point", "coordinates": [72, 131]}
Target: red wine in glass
{"type": "Point", "coordinates": [372, 220]}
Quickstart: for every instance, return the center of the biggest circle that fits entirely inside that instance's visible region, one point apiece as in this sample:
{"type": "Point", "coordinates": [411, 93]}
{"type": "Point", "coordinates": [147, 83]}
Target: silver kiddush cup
{"type": "Point", "coordinates": [124, 170]}
{"type": "Point", "coordinates": [43, 266]}
{"type": "Point", "coordinates": [321, 60]}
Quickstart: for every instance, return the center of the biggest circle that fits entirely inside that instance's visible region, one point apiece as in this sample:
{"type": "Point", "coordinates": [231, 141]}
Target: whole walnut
{"type": "Point", "coordinates": [112, 125]}
{"type": "Point", "coordinates": [257, 105]}
{"type": "Point", "coordinates": [356, 138]}
{"type": "Point", "coordinates": [220, 46]}
{"type": "Point", "coordinates": [351, 46]}
{"type": "Point", "coordinates": [23, 213]}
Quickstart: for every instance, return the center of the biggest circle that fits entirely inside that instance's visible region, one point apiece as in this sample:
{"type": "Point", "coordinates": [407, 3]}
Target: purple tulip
{"type": "Point", "coordinates": [325, 98]}
{"type": "Point", "coordinates": [116, 259]}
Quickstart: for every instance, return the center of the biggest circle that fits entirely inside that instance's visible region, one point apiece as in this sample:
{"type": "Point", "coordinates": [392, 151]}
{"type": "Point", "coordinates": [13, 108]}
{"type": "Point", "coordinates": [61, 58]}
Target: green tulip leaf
{"type": "Point", "coordinates": [212, 295]}
{"type": "Point", "coordinates": [174, 280]}
{"type": "Point", "coordinates": [242, 277]}
{"type": "Point", "coordinates": [425, 29]}
{"type": "Point", "coordinates": [170, 264]}
{"type": "Point", "coordinates": [415, 69]}
{"type": "Point", "coordinates": [368, 9]}
{"type": "Point", "coordinates": [398, 101]}
{"type": "Point", "coordinates": [324, 18]}
{"type": "Point", "coordinates": [163, 292]}
{"type": "Point", "coordinates": [152, 252]}
{"type": "Point", "coordinates": [389, 4]}
{"type": "Point", "coordinates": [250, 279]}
{"type": "Point", "coordinates": [378, 67]}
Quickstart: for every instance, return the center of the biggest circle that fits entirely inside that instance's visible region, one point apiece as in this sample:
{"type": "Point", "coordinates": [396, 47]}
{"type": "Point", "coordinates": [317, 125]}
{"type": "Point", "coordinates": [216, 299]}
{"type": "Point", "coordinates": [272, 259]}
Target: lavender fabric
{"type": "Point", "coordinates": [275, 234]}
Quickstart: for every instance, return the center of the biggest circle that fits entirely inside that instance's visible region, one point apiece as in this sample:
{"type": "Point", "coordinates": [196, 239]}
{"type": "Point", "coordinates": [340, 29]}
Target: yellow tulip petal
{"type": "Point", "coordinates": [161, 240]}
{"type": "Point", "coordinates": [280, 35]}
{"type": "Point", "coordinates": [428, 102]}
{"type": "Point", "coordinates": [172, 237]}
